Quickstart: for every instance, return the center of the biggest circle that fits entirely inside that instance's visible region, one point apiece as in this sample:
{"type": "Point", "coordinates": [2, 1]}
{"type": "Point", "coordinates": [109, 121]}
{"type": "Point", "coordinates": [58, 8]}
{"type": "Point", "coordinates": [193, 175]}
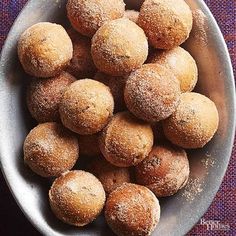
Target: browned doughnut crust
{"type": "Point", "coordinates": [132, 210]}
{"type": "Point", "coordinates": [81, 65]}
{"type": "Point", "coordinates": [181, 63]}
{"type": "Point", "coordinates": [50, 149]}
{"type": "Point", "coordinates": [152, 93]}
{"type": "Point", "coordinates": [167, 24]}
{"type": "Point", "coordinates": [194, 123]}
{"type": "Point", "coordinates": [132, 15]}
{"type": "Point", "coordinates": [164, 171]}
{"type": "Point", "coordinates": [86, 107]}
{"type": "Point", "coordinates": [126, 141]}
{"type": "Point", "coordinates": [117, 86]}
{"type": "Point", "coordinates": [45, 49]}
{"type": "Point", "coordinates": [87, 16]}
{"type": "Point", "coordinates": [77, 197]}
{"type": "Point", "coordinates": [119, 47]}
{"type": "Point", "coordinates": [89, 146]}
{"type": "Point", "coordinates": [110, 176]}
{"type": "Point", "coordinates": [44, 96]}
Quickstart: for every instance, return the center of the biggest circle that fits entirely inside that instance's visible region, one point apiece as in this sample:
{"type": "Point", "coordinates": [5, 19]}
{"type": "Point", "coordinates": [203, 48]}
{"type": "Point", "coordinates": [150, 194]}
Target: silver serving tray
{"type": "Point", "coordinates": [180, 212]}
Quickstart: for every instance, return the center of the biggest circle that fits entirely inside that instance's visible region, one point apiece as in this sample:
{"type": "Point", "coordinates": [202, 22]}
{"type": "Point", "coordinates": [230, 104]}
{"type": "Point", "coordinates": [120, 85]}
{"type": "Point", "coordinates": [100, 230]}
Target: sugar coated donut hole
{"type": "Point", "coordinates": [77, 197]}
{"type": "Point", "coordinates": [110, 176]}
{"type": "Point", "coordinates": [126, 141]}
{"type": "Point", "coordinates": [89, 146]}
{"type": "Point", "coordinates": [44, 96]}
{"type": "Point", "coordinates": [132, 15]}
{"type": "Point", "coordinates": [181, 63]}
{"type": "Point", "coordinates": [132, 209]}
{"type": "Point", "coordinates": [87, 16]}
{"type": "Point", "coordinates": [194, 123]}
{"type": "Point", "coordinates": [45, 49]}
{"type": "Point", "coordinates": [119, 47]}
{"type": "Point", "coordinates": [164, 171]}
{"type": "Point", "coordinates": [117, 86]}
{"type": "Point", "coordinates": [81, 65]}
{"type": "Point", "coordinates": [86, 107]}
{"type": "Point", "coordinates": [152, 93]}
{"type": "Point", "coordinates": [50, 149]}
{"type": "Point", "coordinates": [167, 24]}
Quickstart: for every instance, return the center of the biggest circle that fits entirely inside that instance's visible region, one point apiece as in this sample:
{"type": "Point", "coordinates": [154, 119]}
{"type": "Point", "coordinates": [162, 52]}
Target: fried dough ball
{"type": "Point", "coordinates": [117, 86]}
{"type": "Point", "coordinates": [132, 210]}
{"type": "Point", "coordinates": [77, 197]}
{"type": "Point", "coordinates": [126, 141]}
{"type": "Point", "coordinates": [87, 16]}
{"type": "Point", "coordinates": [119, 47]}
{"type": "Point", "coordinates": [167, 24]}
{"type": "Point", "coordinates": [181, 63]}
{"type": "Point", "coordinates": [50, 149]}
{"type": "Point", "coordinates": [44, 96]}
{"type": "Point", "coordinates": [164, 171]}
{"type": "Point", "coordinates": [152, 93]}
{"type": "Point", "coordinates": [110, 176]}
{"type": "Point", "coordinates": [45, 49]}
{"type": "Point", "coordinates": [89, 146]}
{"type": "Point", "coordinates": [132, 15]}
{"type": "Point", "coordinates": [86, 107]}
{"type": "Point", "coordinates": [81, 65]}
{"type": "Point", "coordinates": [194, 123]}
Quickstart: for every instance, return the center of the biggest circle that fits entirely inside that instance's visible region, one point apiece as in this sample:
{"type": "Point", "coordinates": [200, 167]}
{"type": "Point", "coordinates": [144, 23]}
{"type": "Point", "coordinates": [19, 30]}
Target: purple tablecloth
{"type": "Point", "coordinates": [222, 211]}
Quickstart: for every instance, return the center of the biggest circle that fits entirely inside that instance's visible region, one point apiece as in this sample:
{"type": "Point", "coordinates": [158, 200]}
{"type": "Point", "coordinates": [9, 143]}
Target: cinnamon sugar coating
{"type": "Point", "coordinates": [152, 93]}
{"type": "Point", "coordinates": [181, 63]}
{"type": "Point", "coordinates": [164, 171]}
{"type": "Point", "coordinates": [87, 16]}
{"type": "Point", "coordinates": [167, 24]}
{"type": "Point", "coordinates": [44, 96]}
{"type": "Point", "coordinates": [50, 149]}
{"type": "Point", "coordinates": [119, 47]}
{"type": "Point", "coordinates": [77, 198]}
{"type": "Point", "coordinates": [126, 141]}
{"type": "Point", "coordinates": [45, 49]}
{"type": "Point", "coordinates": [132, 210]}
{"type": "Point", "coordinates": [194, 123]}
{"type": "Point", "coordinates": [132, 15]}
{"type": "Point", "coordinates": [86, 107]}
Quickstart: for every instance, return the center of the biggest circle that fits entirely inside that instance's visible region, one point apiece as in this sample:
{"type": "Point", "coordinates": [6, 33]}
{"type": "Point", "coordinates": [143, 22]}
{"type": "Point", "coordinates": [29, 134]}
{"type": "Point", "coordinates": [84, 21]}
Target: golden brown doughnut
{"type": "Point", "coordinates": [81, 65]}
{"type": "Point", "coordinates": [126, 141]}
{"type": "Point", "coordinates": [119, 47]}
{"type": "Point", "coordinates": [44, 96]}
{"type": "Point", "coordinates": [87, 16]}
{"type": "Point", "coordinates": [194, 123]}
{"type": "Point", "coordinates": [50, 149]}
{"type": "Point", "coordinates": [164, 171]}
{"type": "Point", "coordinates": [117, 86]}
{"type": "Point", "coordinates": [181, 63]}
{"type": "Point", "coordinates": [152, 93]}
{"type": "Point", "coordinates": [77, 197]}
{"type": "Point", "coordinates": [45, 49]}
{"type": "Point", "coordinates": [86, 107]}
{"type": "Point", "coordinates": [110, 176]}
{"type": "Point", "coordinates": [132, 209]}
{"type": "Point", "coordinates": [167, 24]}
{"type": "Point", "coordinates": [88, 145]}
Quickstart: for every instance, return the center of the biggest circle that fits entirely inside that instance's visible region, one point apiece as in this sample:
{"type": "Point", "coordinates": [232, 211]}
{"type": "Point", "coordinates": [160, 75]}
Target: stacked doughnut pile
{"type": "Point", "coordinates": [112, 90]}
